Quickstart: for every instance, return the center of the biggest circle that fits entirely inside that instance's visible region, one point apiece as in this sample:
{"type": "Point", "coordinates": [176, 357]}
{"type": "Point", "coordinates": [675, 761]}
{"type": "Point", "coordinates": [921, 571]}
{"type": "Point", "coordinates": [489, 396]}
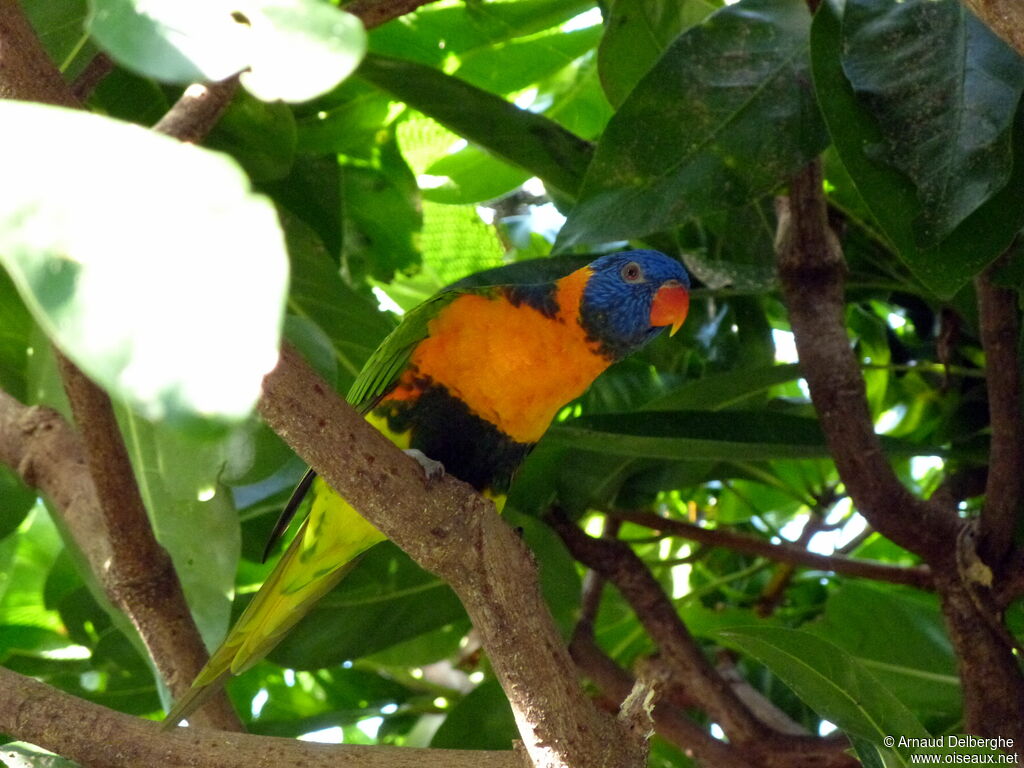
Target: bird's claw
{"type": "Point", "coordinates": [432, 469]}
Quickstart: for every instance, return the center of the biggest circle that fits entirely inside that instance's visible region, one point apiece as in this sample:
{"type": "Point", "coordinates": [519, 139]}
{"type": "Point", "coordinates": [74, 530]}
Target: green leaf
{"type": "Point", "coordinates": [701, 435]}
{"type": "Point", "coordinates": [15, 334]}
{"type": "Point", "coordinates": [523, 138]}
{"type": "Point", "coordinates": [482, 720]}
{"type": "Point", "coordinates": [695, 435]}
{"type": "Point", "coordinates": [943, 90]}
{"type": "Point", "coordinates": [521, 63]}
{"type": "Point", "coordinates": [473, 176]}
{"type": "Point", "coordinates": [829, 681]}
{"type": "Point", "coordinates": [192, 515]}
{"type": "Point", "coordinates": [469, 26]}
{"type": "Point", "coordinates": [59, 26]}
{"type": "Point", "coordinates": [920, 669]}
{"type": "Point", "coordinates": [382, 215]}
{"type": "Point", "coordinates": [387, 599]}
{"type": "Point", "coordinates": [317, 293]}
{"type": "Point", "coordinates": [18, 500]}
{"type": "Point", "coordinates": [260, 136]}
{"type": "Point", "coordinates": [672, 152]}
{"type": "Point", "coordinates": [285, 49]}
{"type": "Point", "coordinates": [135, 284]}
{"type": "Point", "coordinates": [636, 34]}
{"type": "Point", "coordinates": [722, 390]}
{"type": "Point", "coordinates": [890, 196]}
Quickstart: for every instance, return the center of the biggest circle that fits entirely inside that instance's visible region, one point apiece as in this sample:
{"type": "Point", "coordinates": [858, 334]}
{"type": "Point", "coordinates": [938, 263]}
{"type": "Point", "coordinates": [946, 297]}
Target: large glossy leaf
{"type": "Point", "coordinates": [690, 138]}
{"type": "Point", "coordinates": [831, 682]}
{"type": "Point", "coordinates": [135, 284]}
{"type": "Point", "coordinates": [636, 34]}
{"type": "Point", "coordinates": [890, 195]}
{"type": "Point", "coordinates": [286, 49]}
{"type": "Point", "coordinates": [735, 435]}
{"type": "Point", "coordinates": [526, 139]}
{"type": "Point", "coordinates": [730, 435]}
{"type": "Point", "coordinates": [943, 90]}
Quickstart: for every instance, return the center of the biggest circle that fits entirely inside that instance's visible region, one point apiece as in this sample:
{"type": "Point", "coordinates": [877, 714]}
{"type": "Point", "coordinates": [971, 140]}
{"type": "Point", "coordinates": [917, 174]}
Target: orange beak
{"type": "Point", "coordinates": [670, 305]}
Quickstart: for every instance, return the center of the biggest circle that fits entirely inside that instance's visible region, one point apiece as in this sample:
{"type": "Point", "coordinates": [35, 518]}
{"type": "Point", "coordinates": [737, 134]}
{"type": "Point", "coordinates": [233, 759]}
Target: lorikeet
{"type": "Point", "coordinates": [472, 379]}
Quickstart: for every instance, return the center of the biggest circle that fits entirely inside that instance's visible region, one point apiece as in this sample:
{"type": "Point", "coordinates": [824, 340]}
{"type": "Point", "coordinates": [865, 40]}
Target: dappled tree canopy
{"type": "Point", "coordinates": [795, 525]}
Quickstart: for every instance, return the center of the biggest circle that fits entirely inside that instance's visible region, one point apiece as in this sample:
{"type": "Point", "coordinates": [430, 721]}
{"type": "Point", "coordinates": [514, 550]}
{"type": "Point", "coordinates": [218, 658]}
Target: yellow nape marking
{"type": "Point", "coordinates": [512, 365]}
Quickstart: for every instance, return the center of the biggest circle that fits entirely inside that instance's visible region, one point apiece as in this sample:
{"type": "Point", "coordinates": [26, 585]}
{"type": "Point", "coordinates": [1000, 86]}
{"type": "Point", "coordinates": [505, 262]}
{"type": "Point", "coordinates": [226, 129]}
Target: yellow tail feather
{"type": "Point", "coordinates": [322, 552]}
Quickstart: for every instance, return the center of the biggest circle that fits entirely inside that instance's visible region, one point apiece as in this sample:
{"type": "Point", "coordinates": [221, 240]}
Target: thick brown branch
{"type": "Point", "coordinates": [1000, 331]}
{"type": "Point", "coordinates": [785, 552]}
{"type": "Point", "coordinates": [455, 533]}
{"type": "Point", "coordinates": [1004, 17]}
{"type": "Point", "coordinates": [619, 564]}
{"type": "Point", "coordinates": [135, 572]}
{"type": "Point", "coordinates": [101, 738]}
{"type": "Point", "coordinates": [26, 72]}
{"type": "Point", "coordinates": [812, 271]}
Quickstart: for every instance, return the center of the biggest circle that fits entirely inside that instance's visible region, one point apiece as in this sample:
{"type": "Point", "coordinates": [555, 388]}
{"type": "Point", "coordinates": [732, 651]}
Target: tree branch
{"type": "Point", "coordinates": [615, 561]}
{"type": "Point", "coordinates": [779, 751]}
{"type": "Point", "coordinates": [1000, 331]}
{"type": "Point", "coordinates": [102, 738]}
{"type": "Point", "coordinates": [115, 537]}
{"type": "Point", "coordinates": [453, 532]}
{"type": "Point", "coordinates": [917, 576]}
{"type": "Point", "coordinates": [377, 12]}
{"type": "Point", "coordinates": [615, 684]}
{"type": "Point", "coordinates": [139, 576]}
{"type": "Point", "coordinates": [134, 571]}
{"type": "Point", "coordinates": [26, 72]}
{"type": "Point", "coordinates": [812, 272]}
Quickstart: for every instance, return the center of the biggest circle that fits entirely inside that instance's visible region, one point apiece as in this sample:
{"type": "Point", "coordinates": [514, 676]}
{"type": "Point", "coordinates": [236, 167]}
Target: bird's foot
{"type": "Point", "coordinates": [434, 470]}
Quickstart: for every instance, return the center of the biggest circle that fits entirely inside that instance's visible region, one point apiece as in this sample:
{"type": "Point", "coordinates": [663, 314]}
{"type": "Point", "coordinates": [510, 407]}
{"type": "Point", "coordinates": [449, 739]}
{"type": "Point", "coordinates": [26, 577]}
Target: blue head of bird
{"type": "Point", "coordinates": [631, 297]}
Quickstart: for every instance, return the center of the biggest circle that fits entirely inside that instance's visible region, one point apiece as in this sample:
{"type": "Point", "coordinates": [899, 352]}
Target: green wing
{"type": "Point", "coordinates": [386, 364]}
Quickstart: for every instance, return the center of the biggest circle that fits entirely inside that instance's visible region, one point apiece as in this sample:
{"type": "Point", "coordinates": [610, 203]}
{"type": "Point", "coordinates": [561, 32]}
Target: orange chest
{"type": "Point", "coordinates": [513, 366]}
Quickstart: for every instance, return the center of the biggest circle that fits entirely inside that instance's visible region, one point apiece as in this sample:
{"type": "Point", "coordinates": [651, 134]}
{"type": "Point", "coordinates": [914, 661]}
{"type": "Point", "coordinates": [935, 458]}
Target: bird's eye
{"type": "Point", "coordinates": [632, 273]}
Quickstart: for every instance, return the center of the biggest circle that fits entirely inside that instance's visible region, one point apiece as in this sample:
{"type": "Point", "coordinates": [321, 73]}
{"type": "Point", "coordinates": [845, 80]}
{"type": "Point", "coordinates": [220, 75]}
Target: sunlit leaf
{"type": "Point", "coordinates": [285, 49]}
{"type": "Point", "coordinates": [520, 137]}
{"type": "Point", "coordinates": [946, 117]}
{"type": "Point", "coordinates": [105, 274]}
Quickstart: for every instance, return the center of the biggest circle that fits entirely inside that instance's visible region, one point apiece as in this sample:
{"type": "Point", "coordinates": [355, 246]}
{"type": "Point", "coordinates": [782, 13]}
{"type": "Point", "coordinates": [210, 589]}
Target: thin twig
{"type": "Point", "coordinates": [98, 68]}
{"type": "Point", "coordinates": [619, 564]}
{"type": "Point", "coordinates": [916, 576]}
